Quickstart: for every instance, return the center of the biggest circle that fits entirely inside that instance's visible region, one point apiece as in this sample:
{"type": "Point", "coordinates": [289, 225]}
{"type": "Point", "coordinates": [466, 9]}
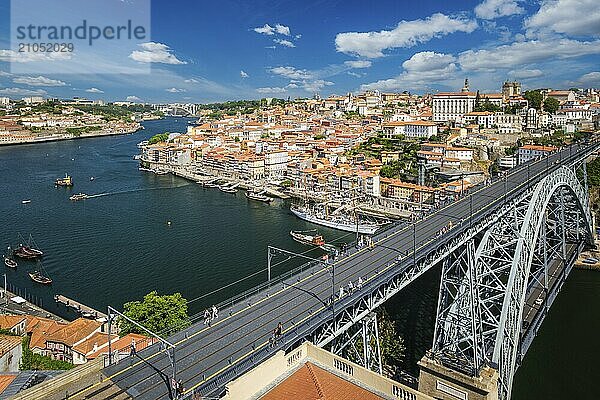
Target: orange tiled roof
{"type": "Point", "coordinates": [74, 332]}
{"type": "Point", "coordinates": [313, 383]}
{"type": "Point", "coordinates": [6, 380]}
{"type": "Point", "coordinates": [9, 321]}
{"type": "Point", "coordinates": [39, 329]}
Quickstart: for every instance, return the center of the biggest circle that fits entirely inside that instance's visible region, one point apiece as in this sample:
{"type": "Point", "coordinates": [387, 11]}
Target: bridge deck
{"type": "Point", "coordinates": [244, 329]}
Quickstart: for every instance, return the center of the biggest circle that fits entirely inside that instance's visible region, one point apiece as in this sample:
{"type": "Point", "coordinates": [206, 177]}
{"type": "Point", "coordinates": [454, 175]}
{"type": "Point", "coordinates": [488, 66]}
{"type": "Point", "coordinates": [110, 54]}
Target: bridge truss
{"type": "Point", "coordinates": [488, 279]}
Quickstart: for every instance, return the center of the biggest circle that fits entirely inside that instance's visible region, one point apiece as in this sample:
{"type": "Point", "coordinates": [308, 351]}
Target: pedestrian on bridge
{"type": "Point", "coordinates": [341, 292]}
{"type": "Point", "coordinates": [215, 312]}
{"type": "Point", "coordinates": [132, 351]}
{"type": "Point", "coordinates": [350, 287]}
{"type": "Point", "coordinates": [359, 283]}
{"type": "Point", "coordinates": [206, 317]}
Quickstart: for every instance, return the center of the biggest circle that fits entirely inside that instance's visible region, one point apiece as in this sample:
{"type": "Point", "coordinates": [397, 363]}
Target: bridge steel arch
{"type": "Point", "coordinates": [486, 281]}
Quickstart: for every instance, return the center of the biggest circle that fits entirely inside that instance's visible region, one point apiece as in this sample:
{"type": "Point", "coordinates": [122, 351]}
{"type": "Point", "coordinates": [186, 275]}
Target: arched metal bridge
{"type": "Point", "coordinates": [506, 245]}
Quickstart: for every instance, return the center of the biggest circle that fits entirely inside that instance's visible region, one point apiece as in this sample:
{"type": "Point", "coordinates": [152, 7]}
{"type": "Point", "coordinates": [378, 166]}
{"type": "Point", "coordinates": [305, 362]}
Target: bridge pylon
{"type": "Point", "coordinates": [497, 286]}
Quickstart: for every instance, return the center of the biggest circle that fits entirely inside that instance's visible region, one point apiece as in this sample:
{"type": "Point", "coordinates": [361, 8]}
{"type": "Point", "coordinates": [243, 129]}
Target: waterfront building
{"type": "Point", "coordinates": [63, 343]}
{"type": "Point", "coordinates": [276, 163]}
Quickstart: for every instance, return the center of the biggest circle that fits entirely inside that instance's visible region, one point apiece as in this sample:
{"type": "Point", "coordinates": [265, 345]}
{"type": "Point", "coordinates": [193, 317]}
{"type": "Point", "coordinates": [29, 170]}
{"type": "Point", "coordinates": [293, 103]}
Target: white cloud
{"type": "Point", "coordinates": [572, 17]}
{"type": "Point", "coordinates": [175, 90]}
{"type": "Point", "coordinates": [27, 56]}
{"type": "Point", "coordinates": [282, 29]}
{"type": "Point", "coordinates": [525, 73]}
{"type": "Point", "coordinates": [22, 92]}
{"type": "Point", "coordinates": [243, 74]}
{"type": "Point", "coordinates": [521, 53]}
{"type": "Point", "coordinates": [316, 85]}
{"type": "Point", "coordinates": [358, 64]}
{"type": "Point", "coordinates": [591, 79]}
{"type": "Point", "coordinates": [270, 90]}
{"type": "Point", "coordinates": [4, 73]}
{"type": "Point", "coordinates": [406, 34]}
{"type": "Point", "coordinates": [420, 71]}
{"type": "Point", "coordinates": [265, 30]}
{"type": "Point", "coordinates": [292, 73]}
{"type": "Point", "coordinates": [492, 9]}
{"type": "Point", "coordinates": [191, 80]}
{"type": "Point", "coordinates": [94, 90]}
{"type": "Point", "coordinates": [134, 99]}
{"type": "Point", "coordinates": [155, 53]}
{"type": "Point", "coordinates": [284, 42]}
{"type": "Point", "coordinates": [270, 30]}
{"type": "Point", "coordinates": [38, 81]}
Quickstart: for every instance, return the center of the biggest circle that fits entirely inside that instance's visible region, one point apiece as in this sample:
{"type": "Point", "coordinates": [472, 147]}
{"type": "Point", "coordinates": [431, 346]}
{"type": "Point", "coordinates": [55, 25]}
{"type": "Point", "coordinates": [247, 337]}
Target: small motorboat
{"type": "Point", "coordinates": [304, 237]}
{"type": "Point", "coordinates": [211, 185]}
{"type": "Point", "coordinates": [9, 262]}
{"type": "Point", "coordinates": [258, 197]}
{"type": "Point", "coordinates": [227, 189]}
{"type": "Point", "coordinates": [25, 201]}
{"type": "Point", "coordinates": [38, 277]}
{"type": "Point", "coordinates": [91, 178]}
{"type": "Point", "coordinates": [66, 181]}
{"type": "Point", "coordinates": [78, 196]}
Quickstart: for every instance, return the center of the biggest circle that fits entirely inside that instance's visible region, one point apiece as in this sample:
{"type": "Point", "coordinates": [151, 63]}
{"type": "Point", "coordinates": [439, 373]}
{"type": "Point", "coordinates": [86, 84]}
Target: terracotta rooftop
{"type": "Point", "coordinates": [9, 321]}
{"type": "Point", "coordinates": [313, 383]}
{"type": "Point", "coordinates": [6, 380]}
{"type": "Point", "coordinates": [8, 342]}
{"type": "Point", "coordinates": [74, 331]}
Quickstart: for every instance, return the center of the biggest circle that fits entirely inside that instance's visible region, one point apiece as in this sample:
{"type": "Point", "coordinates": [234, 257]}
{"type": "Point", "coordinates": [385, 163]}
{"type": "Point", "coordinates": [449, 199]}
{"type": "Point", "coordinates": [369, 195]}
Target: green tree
{"type": "Point", "coordinates": [161, 137]}
{"type": "Point", "coordinates": [534, 97]}
{"type": "Point", "coordinates": [551, 105]}
{"type": "Point", "coordinates": [157, 313]}
{"type": "Point", "coordinates": [593, 172]}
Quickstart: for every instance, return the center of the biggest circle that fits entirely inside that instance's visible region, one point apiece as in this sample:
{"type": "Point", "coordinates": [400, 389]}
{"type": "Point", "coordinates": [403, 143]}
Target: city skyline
{"type": "Point", "coordinates": [295, 50]}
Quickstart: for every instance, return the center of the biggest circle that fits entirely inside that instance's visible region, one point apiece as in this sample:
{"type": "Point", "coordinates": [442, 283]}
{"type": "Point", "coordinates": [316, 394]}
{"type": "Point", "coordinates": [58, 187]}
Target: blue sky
{"type": "Point", "coordinates": [202, 51]}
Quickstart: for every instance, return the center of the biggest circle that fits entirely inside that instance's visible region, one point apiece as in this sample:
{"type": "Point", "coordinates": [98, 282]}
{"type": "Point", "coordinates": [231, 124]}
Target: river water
{"type": "Point", "coordinates": [118, 246]}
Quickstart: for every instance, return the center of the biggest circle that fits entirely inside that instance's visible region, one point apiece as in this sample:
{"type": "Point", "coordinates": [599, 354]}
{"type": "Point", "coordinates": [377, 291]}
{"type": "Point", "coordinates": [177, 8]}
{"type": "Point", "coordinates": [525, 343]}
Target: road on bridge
{"type": "Point", "coordinates": [244, 329]}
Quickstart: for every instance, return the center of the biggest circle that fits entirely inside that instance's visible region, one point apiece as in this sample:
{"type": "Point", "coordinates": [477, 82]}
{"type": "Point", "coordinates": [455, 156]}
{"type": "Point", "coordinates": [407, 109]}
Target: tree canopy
{"type": "Point", "coordinates": [551, 105]}
{"type": "Point", "coordinates": [534, 97]}
{"type": "Point", "coordinates": [161, 137]}
{"type": "Point", "coordinates": [157, 313]}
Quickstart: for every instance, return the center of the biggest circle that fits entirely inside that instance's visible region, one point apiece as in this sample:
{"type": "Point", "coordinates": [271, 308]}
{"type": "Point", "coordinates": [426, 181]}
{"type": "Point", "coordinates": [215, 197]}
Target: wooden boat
{"type": "Point", "coordinates": [66, 181]}
{"type": "Point", "coordinates": [304, 237]}
{"type": "Point", "coordinates": [9, 262]}
{"type": "Point", "coordinates": [78, 196]}
{"type": "Point", "coordinates": [25, 251]}
{"type": "Point", "coordinates": [38, 277]}
{"type": "Point", "coordinates": [258, 197]}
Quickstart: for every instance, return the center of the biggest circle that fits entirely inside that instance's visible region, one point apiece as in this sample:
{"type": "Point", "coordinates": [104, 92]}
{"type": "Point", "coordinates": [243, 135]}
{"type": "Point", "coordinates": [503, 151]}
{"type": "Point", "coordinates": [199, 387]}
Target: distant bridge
{"type": "Point", "coordinates": [504, 246]}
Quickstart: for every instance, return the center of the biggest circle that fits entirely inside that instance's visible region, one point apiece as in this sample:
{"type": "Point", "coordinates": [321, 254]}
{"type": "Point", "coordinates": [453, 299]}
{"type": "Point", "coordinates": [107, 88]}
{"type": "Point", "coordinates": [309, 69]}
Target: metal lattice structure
{"type": "Point", "coordinates": [361, 344]}
{"type": "Point", "coordinates": [487, 281]}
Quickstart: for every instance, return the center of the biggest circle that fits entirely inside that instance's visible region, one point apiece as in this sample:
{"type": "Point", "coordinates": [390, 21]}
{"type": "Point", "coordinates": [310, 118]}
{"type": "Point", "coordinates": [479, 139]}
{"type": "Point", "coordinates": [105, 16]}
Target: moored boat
{"type": "Point", "coordinates": [24, 251]}
{"type": "Point", "coordinates": [78, 196]}
{"type": "Point", "coordinates": [66, 181]}
{"type": "Point", "coordinates": [336, 222]}
{"type": "Point", "coordinates": [304, 237]}
{"type": "Point", "coordinates": [258, 197]}
{"type": "Point", "coordinates": [9, 262]}
{"type": "Point", "coordinates": [25, 201]}
{"type": "Point", "coordinates": [38, 277]}
{"type": "Point", "coordinates": [211, 185]}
